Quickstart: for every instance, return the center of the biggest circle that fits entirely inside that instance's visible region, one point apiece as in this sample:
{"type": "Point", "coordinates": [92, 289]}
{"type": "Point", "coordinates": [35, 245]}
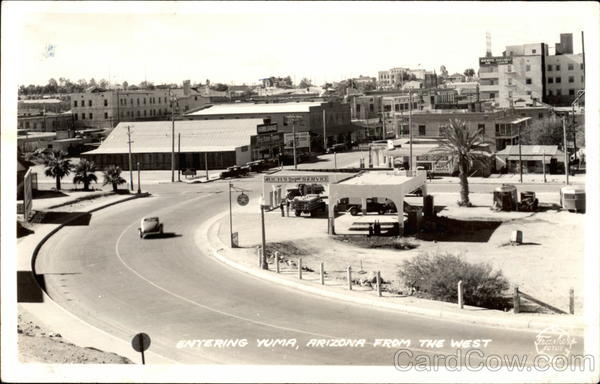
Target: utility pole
{"type": "Point", "coordinates": [294, 143]}
{"type": "Point", "coordinates": [324, 132]}
{"type": "Point", "coordinates": [565, 149]}
{"type": "Point", "coordinates": [139, 182]}
{"type": "Point", "coordinates": [130, 166]}
{"type": "Point", "coordinates": [179, 157]}
{"type": "Point", "coordinates": [520, 159]}
{"type": "Point", "coordinates": [172, 137]}
{"type": "Point", "coordinates": [264, 264]}
{"type": "Point", "coordinates": [230, 219]}
{"type": "Point", "coordinates": [206, 164]}
{"type": "Point", "coordinates": [410, 135]}
{"type": "Point", "coordinates": [544, 164]}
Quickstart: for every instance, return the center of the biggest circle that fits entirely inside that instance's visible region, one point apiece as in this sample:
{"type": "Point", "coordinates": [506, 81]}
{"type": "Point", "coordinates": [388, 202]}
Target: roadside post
{"type": "Point", "coordinates": [264, 264]}
{"type": "Point", "coordinates": [277, 262]}
{"type": "Point", "coordinates": [378, 283]}
{"type": "Point", "coordinates": [259, 255]}
{"type": "Point", "coordinates": [139, 184]}
{"type": "Point", "coordinates": [349, 273]}
{"type": "Point", "coordinates": [516, 303]}
{"type": "Point", "coordinates": [300, 268]}
{"type": "Point", "coordinates": [460, 295]}
{"type": "Point", "coordinates": [335, 160]}
{"type": "Point", "coordinates": [571, 301]}
{"type": "Point", "coordinates": [322, 271]}
{"type": "Point", "coordinates": [140, 343]}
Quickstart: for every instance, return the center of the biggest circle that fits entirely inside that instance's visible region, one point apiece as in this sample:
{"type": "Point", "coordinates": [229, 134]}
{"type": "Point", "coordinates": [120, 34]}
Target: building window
{"type": "Point", "coordinates": [510, 94]}
{"type": "Point", "coordinates": [105, 115]}
{"type": "Point", "coordinates": [528, 81]}
{"type": "Point", "coordinates": [196, 99]}
{"type": "Point", "coordinates": [91, 116]}
{"type": "Point", "coordinates": [245, 148]}
{"type": "Point", "coordinates": [558, 92]}
{"type": "Point", "coordinates": [144, 113]}
{"type": "Point", "coordinates": [571, 92]}
{"type": "Point", "coordinates": [144, 100]}
{"type": "Point", "coordinates": [557, 80]}
{"type": "Point", "coordinates": [421, 130]}
{"type": "Point", "coordinates": [570, 67]}
{"type": "Point", "coordinates": [492, 95]}
{"type": "Point", "coordinates": [558, 67]}
{"type": "Point", "coordinates": [131, 101]}
{"type": "Point", "coordinates": [528, 67]}
{"type": "Point", "coordinates": [75, 103]}
{"type": "Point", "coordinates": [89, 103]}
{"type": "Point", "coordinates": [83, 116]}
{"type": "Point", "coordinates": [581, 66]}
{"type": "Point", "coordinates": [541, 115]}
{"type": "Point", "coordinates": [582, 79]}
{"type": "Point", "coordinates": [528, 93]}
{"type": "Point", "coordinates": [571, 79]}
{"type": "Point", "coordinates": [533, 51]}
{"type": "Point", "coordinates": [138, 113]}
{"type": "Point", "coordinates": [138, 101]}
{"type": "Point", "coordinates": [550, 80]}
{"type": "Point", "coordinates": [75, 116]}
{"type": "Point", "coordinates": [549, 67]}
{"type": "Point", "coordinates": [397, 107]}
{"type": "Point", "coordinates": [549, 93]}
{"type": "Point", "coordinates": [371, 108]}
{"type": "Point", "coordinates": [105, 103]}
{"type": "Point", "coordinates": [159, 102]}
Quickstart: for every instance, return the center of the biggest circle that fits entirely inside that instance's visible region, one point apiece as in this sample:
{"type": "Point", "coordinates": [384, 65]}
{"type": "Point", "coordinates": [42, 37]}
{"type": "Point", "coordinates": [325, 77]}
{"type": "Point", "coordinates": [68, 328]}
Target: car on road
{"type": "Point", "coordinates": [337, 148]}
{"type": "Point", "coordinates": [150, 226]}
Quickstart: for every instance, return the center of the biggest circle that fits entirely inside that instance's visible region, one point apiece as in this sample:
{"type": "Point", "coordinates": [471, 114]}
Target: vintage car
{"type": "Point", "coordinates": [150, 226]}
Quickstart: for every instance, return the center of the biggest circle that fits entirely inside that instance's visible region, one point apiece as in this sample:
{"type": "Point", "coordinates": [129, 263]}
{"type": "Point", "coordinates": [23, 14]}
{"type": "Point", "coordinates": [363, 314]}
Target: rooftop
{"type": "Point", "coordinates": [41, 101]}
{"type": "Point", "coordinates": [196, 136]}
{"type": "Point", "coordinates": [378, 178]}
{"type": "Point", "coordinates": [250, 108]}
{"type": "Point", "coordinates": [530, 150]}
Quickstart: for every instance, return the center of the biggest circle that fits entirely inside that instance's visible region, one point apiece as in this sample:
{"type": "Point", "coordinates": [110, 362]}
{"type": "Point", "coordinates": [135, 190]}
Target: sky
{"type": "Point", "coordinates": [244, 42]}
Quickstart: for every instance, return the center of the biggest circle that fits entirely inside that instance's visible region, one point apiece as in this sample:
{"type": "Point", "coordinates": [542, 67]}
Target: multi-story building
{"type": "Point", "coordinates": [99, 108]}
{"type": "Point", "coordinates": [526, 74]}
{"type": "Point", "coordinates": [393, 78]}
{"type": "Point", "coordinates": [46, 122]}
{"type": "Point", "coordinates": [36, 106]}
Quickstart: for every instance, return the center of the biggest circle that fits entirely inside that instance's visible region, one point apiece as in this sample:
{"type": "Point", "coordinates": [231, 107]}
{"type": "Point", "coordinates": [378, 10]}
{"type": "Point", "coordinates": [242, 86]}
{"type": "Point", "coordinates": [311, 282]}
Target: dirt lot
{"type": "Point", "coordinates": [548, 263]}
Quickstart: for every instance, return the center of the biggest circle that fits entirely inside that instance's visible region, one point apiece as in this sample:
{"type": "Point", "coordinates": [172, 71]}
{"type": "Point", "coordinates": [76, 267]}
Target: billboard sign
{"type": "Point", "coordinates": [302, 140]}
{"type": "Point", "coordinates": [495, 60]}
{"type": "Point", "coordinates": [297, 179]}
{"type": "Point", "coordinates": [266, 128]}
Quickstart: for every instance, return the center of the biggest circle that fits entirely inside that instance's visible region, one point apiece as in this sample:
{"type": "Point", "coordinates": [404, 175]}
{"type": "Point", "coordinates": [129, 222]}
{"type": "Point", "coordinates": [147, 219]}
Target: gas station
{"type": "Point", "coordinates": [393, 185]}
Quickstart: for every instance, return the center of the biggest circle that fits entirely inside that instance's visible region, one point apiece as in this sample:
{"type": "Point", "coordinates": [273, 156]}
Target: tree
{"type": "Point", "coordinates": [103, 83]}
{"type": "Point", "coordinates": [547, 131]}
{"type": "Point", "coordinates": [469, 72]}
{"type": "Point", "coordinates": [219, 87]}
{"type": "Point", "coordinates": [85, 173]}
{"type": "Point", "coordinates": [463, 146]}
{"type": "Point", "coordinates": [125, 85]}
{"type": "Point", "coordinates": [305, 83]}
{"type": "Point", "coordinates": [112, 175]}
{"type": "Point", "coordinates": [57, 166]}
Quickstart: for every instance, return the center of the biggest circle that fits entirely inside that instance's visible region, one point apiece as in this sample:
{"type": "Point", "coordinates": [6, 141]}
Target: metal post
{"type": "Point", "coordinates": [206, 164]}
{"type": "Point", "coordinates": [300, 268]}
{"type": "Point", "coordinates": [378, 283]}
{"type": "Point", "coordinates": [277, 270]}
{"type": "Point", "coordinates": [230, 219]}
{"type": "Point", "coordinates": [516, 304]}
{"type": "Point", "coordinates": [460, 294]}
{"type": "Point", "coordinates": [264, 245]}
{"type": "Point", "coordinates": [410, 135]}
{"type": "Point", "coordinates": [322, 271]}
{"type": "Point", "coordinates": [335, 160]}
{"type": "Point", "coordinates": [544, 164]}
{"type": "Point", "coordinates": [259, 256]}
{"type": "Point", "coordinates": [130, 165]}
{"type": "Point", "coordinates": [179, 157]}
{"type": "Point", "coordinates": [565, 149]}
{"type": "Point", "coordinates": [349, 274]}
{"type": "Point", "coordinates": [172, 138]}
{"type": "Point", "coordinates": [520, 160]}
{"type": "Point", "coordinates": [139, 182]}
{"type": "Point", "coordinates": [571, 301]}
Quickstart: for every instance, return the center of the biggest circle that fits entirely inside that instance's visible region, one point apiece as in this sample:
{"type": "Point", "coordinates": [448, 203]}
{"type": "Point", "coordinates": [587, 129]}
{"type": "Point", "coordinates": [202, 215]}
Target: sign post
{"type": "Point", "coordinates": [140, 343]}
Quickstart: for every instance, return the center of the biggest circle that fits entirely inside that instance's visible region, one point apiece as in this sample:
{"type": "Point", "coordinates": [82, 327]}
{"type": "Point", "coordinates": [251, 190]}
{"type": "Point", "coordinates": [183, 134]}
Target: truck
{"type": "Point", "coordinates": [373, 205]}
{"type": "Point", "coordinates": [310, 204]}
{"type": "Point", "coordinates": [304, 189]}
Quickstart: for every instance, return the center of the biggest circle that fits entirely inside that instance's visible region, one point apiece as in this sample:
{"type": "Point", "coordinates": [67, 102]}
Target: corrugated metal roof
{"type": "Point", "coordinates": [247, 108]}
{"type": "Point", "coordinates": [196, 136]}
{"type": "Point", "coordinates": [530, 150]}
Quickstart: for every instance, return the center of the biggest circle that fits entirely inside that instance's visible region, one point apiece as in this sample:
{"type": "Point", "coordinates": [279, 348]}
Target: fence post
{"type": "Point", "coordinates": [349, 272]}
{"type": "Point", "coordinates": [571, 301]}
{"type": "Point", "coordinates": [276, 261]}
{"type": "Point", "coordinates": [322, 274]}
{"type": "Point", "coordinates": [378, 283]}
{"type": "Point", "coordinates": [460, 295]}
{"type": "Point", "coordinates": [300, 268]}
{"type": "Point", "coordinates": [516, 300]}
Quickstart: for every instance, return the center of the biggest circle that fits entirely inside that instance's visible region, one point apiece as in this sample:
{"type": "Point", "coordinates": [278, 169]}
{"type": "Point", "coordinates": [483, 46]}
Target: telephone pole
{"type": "Point", "coordinates": [172, 137]}
{"type": "Point", "coordinates": [410, 135]}
{"type": "Point", "coordinates": [178, 157]}
{"type": "Point", "coordinates": [130, 166]}
{"type": "Point", "coordinates": [564, 124]}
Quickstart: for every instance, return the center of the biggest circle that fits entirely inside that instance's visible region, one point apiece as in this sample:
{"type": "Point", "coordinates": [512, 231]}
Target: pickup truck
{"type": "Point", "coordinates": [310, 204]}
{"type": "Point", "coordinates": [373, 205]}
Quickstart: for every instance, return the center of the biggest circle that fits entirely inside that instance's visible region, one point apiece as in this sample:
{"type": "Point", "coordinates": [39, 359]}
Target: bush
{"type": "Point", "coordinates": [437, 275]}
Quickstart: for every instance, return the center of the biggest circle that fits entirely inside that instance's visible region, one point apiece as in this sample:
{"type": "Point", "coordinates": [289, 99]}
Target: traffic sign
{"type": "Point", "coordinates": [140, 343]}
{"type": "Point", "coordinates": [243, 199]}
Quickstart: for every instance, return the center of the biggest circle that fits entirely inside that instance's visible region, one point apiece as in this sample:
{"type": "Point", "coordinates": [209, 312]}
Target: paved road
{"type": "Point", "coordinates": [169, 289]}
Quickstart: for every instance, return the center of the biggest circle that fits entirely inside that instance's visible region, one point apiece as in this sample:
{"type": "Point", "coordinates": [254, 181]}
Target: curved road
{"type": "Point", "coordinates": [169, 289]}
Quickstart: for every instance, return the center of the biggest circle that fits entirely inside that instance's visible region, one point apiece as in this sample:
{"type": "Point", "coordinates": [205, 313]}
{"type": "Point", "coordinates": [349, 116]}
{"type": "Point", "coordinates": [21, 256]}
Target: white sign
{"type": "Point", "coordinates": [302, 140]}
{"type": "Point", "coordinates": [297, 179]}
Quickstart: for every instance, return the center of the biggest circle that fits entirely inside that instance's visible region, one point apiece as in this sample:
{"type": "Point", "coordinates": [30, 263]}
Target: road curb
{"type": "Point", "coordinates": [79, 199]}
{"type": "Point", "coordinates": [486, 319]}
{"type": "Point", "coordinates": [124, 349]}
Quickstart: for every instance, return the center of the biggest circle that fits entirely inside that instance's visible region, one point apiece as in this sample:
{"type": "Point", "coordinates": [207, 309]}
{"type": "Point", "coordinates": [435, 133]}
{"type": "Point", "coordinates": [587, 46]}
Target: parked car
{"type": "Point", "coordinates": [373, 205]}
{"type": "Point", "coordinates": [150, 226]}
{"type": "Point", "coordinates": [336, 148]}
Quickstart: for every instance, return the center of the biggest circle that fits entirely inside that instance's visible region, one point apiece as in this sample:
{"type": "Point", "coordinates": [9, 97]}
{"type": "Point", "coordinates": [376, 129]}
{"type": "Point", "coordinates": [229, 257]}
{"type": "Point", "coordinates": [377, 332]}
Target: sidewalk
{"type": "Point", "coordinates": [214, 234]}
{"type": "Point", "coordinates": [512, 178]}
{"type": "Point", "coordinates": [47, 312]}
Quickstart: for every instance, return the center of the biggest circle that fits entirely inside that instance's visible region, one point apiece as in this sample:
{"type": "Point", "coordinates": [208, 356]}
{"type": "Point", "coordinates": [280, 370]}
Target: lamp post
{"type": "Point", "coordinates": [172, 136]}
{"type": "Point", "coordinates": [230, 219]}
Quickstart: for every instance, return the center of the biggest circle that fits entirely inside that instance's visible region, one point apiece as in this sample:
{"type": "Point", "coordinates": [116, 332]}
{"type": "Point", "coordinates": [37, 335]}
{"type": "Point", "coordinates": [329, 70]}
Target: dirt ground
{"type": "Point", "coordinates": [39, 345]}
{"type": "Point", "coordinates": [545, 266]}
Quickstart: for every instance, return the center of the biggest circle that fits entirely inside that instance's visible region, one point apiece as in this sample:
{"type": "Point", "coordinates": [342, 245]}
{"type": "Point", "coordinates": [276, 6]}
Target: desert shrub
{"type": "Point", "coordinates": [437, 275]}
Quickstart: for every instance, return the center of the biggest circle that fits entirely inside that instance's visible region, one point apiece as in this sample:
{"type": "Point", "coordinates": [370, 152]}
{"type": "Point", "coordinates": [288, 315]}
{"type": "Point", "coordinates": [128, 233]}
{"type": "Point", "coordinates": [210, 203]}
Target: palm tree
{"type": "Point", "coordinates": [57, 166]}
{"type": "Point", "coordinates": [112, 175]}
{"type": "Point", "coordinates": [85, 173]}
{"type": "Point", "coordinates": [464, 147]}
